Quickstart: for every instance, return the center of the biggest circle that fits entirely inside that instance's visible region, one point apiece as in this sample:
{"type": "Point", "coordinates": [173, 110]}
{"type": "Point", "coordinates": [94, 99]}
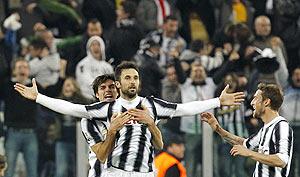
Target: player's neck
{"type": "Point", "coordinates": [269, 115]}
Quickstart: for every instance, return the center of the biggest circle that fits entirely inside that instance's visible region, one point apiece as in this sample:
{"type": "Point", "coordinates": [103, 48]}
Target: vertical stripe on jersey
{"type": "Point", "coordinates": [97, 168]}
{"type": "Point", "coordinates": [164, 103]}
{"type": "Point", "coordinates": [150, 161]}
{"type": "Point", "coordinates": [234, 124]}
{"type": "Point", "coordinates": [125, 147]}
{"type": "Point", "coordinates": [260, 165]}
{"type": "Point", "coordinates": [140, 153]}
{"type": "Point", "coordinates": [272, 151]}
{"type": "Point", "coordinates": [95, 106]}
{"type": "Point", "coordinates": [153, 107]}
{"type": "Point", "coordinates": [109, 112]}
{"type": "Point", "coordinates": [93, 132]}
{"type": "Point", "coordinates": [284, 170]}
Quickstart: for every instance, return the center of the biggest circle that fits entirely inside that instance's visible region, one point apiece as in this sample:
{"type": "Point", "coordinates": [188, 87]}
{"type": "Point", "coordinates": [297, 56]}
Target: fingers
{"type": "Point", "coordinates": [239, 95]}
{"type": "Point", "coordinates": [117, 115]}
{"type": "Point", "coordinates": [234, 150]}
{"type": "Point", "coordinates": [126, 118]}
{"type": "Point", "coordinates": [135, 114]}
{"type": "Point", "coordinates": [226, 88]}
{"type": "Point", "coordinates": [34, 83]}
{"type": "Point", "coordinates": [239, 100]}
{"type": "Point", "coordinates": [20, 90]}
{"type": "Point", "coordinates": [20, 85]}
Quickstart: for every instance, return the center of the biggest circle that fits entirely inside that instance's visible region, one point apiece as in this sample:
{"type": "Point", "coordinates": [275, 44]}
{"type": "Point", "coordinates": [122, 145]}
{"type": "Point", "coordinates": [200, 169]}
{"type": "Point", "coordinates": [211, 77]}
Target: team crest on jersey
{"type": "Point", "coordinates": [132, 122]}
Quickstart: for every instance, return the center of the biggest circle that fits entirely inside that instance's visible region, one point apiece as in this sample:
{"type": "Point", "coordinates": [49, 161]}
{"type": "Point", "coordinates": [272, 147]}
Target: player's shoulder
{"type": "Point", "coordinates": [98, 105]}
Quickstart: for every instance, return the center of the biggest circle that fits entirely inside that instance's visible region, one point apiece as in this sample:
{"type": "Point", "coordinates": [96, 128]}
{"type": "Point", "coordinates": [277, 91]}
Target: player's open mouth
{"type": "Point", "coordinates": [108, 96]}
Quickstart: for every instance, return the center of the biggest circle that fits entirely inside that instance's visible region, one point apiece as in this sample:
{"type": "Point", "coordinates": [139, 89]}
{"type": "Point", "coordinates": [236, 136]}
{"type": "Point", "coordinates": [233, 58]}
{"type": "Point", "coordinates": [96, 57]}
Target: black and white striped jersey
{"type": "Point", "coordinates": [133, 147]}
{"type": "Point", "coordinates": [276, 137]}
{"type": "Point", "coordinates": [94, 131]}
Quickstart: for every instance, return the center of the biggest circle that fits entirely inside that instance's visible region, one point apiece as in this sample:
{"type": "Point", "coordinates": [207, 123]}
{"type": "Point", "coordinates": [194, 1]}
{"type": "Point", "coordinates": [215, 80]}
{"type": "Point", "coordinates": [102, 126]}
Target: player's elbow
{"type": "Point", "coordinates": [281, 164]}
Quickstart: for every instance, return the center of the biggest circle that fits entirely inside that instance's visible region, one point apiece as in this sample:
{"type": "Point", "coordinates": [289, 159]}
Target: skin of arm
{"type": "Point", "coordinates": [143, 116]}
{"type": "Point", "coordinates": [57, 105]}
{"type": "Point", "coordinates": [157, 137]}
{"type": "Point", "coordinates": [197, 107]}
{"type": "Point", "coordinates": [214, 124]}
{"type": "Point", "coordinates": [270, 160]}
{"type": "Point", "coordinates": [103, 149]}
{"type": "Point", "coordinates": [237, 142]}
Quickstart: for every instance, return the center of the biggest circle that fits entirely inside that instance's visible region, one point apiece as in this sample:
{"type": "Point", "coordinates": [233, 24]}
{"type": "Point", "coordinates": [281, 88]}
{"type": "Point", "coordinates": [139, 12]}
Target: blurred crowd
{"type": "Point", "coordinates": [186, 50]}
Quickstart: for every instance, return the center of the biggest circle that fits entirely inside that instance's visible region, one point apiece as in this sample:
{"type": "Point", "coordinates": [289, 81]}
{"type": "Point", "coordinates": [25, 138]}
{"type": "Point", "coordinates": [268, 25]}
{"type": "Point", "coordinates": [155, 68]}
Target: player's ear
{"type": "Point", "coordinates": [97, 95]}
{"type": "Point", "coordinates": [118, 85]}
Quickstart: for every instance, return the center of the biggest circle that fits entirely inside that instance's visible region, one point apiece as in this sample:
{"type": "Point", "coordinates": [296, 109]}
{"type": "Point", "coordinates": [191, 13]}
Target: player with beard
{"type": "Point", "coordinates": [133, 152]}
{"type": "Point", "coordinates": [100, 135]}
{"type": "Point", "coordinates": [272, 146]}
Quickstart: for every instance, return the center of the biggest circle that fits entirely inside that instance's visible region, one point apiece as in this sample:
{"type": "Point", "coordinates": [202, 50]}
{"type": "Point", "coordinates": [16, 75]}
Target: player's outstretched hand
{"type": "Point", "coordinates": [210, 119]}
{"type": "Point", "coordinates": [27, 92]}
{"type": "Point", "coordinates": [231, 99]}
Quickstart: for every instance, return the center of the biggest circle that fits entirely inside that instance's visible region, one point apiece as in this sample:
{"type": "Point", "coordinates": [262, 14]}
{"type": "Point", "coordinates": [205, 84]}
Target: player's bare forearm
{"type": "Point", "coordinates": [103, 149]}
{"type": "Point", "coordinates": [157, 137]}
{"type": "Point", "coordinates": [270, 160]}
{"type": "Point", "coordinates": [230, 138]}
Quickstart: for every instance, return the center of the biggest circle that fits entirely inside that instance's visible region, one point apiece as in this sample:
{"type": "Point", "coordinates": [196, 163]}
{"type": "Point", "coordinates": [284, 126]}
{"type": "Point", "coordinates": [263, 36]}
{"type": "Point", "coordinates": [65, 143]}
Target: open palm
{"type": "Point", "coordinates": [27, 92]}
{"type": "Point", "coordinates": [231, 99]}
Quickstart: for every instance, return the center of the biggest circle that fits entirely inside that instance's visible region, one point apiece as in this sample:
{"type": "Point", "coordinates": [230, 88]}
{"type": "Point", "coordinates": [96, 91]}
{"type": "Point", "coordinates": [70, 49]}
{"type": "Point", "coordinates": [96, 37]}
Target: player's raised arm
{"type": "Point", "coordinates": [196, 107]}
{"type": "Point", "coordinates": [57, 105]}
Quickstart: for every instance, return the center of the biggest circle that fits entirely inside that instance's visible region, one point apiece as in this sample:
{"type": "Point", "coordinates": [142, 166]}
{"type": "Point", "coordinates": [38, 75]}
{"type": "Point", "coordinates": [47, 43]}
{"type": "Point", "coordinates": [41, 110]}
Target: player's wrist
{"type": "Point", "coordinates": [112, 131]}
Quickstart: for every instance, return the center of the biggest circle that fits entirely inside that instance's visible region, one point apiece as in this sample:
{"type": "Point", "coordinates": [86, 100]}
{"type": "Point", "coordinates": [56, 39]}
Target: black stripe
{"type": "Point", "coordinates": [109, 159]}
{"type": "Point", "coordinates": [125, 147]}
{"type": "Point", "coordinates": [84, 136]}
{"type": "Point", "coordinates": [250, 138]}
{"type": "Point", "coordinates": [277, 138]}
{"type": "Point", "coordinates": [260, 165]}
{"type": "Point", "coordinates": [272, 151]}
{"type": "Point", "coordinates": [150, 161]}
{"type": "Point", "coordinates": [100, 118]}
{"type": "Point", "coordinates": [97, 168]}
{"type": "Point", "coordinates": [95, 125]}
{"type": "Point", "coordinates": [163, 117]}
{"type": "Point", "coordinates": [140, 153]}
{"type": "Point", "coordinates": [165, 104]}
{"type": "Point", "coordinates": [139, 106]}
{"type": "Point", "coordinates": [284, 171]}
{"type": "Point", "coordinates": [150, 99]}
{"type": "Point", "coordinates": [104, 125]}
{"type": "Point", "coordinates": [95, 106]}
{"type": "Point", "coordinates": [234, 124]}
{"type": "Point", "coordinates": [92, 132]}
{"type": "Point", "coordinates": [109, 111]}
{"type": "Point", "coordinates": [123, 109]}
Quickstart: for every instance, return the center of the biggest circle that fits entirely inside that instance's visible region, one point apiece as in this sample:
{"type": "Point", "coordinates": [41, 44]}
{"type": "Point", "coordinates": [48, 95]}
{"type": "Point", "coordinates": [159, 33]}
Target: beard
{"type": "Point", "coordinates": [258, 113]}
{"type": "Point", "coordinates": [128, 93]}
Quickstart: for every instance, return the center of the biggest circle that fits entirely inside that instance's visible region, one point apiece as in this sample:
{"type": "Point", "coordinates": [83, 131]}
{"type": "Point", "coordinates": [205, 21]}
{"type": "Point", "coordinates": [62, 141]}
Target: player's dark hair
{"type": "Point", "coordinates": [100, 80]}
{"type": "Point", "coordinates": [122, 66]}
{"type": "Point", "coordinates": [272, 92]}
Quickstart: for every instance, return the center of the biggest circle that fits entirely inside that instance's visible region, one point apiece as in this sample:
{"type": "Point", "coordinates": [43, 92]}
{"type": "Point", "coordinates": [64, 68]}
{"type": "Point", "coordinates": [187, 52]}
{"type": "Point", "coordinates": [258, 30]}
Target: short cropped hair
{"type": "Point", "coordinates": [122, 66]}
{"type": "Point", "coordinates": [272, 92]}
